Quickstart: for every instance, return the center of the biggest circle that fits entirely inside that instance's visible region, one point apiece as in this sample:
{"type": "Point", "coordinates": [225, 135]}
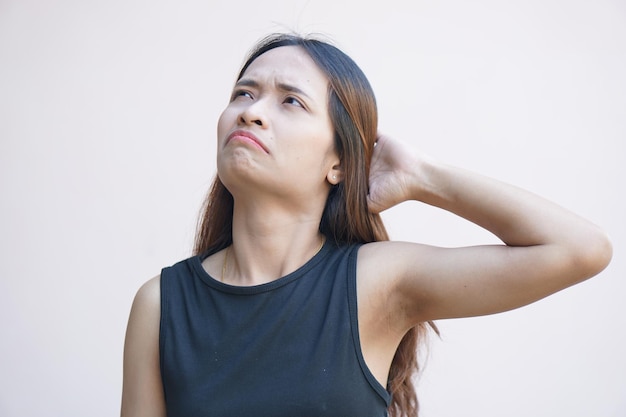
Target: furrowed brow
{"type": "Point", "coordinates": [246, 82]}
{"type": "Point", "coordinates": [292, 89]}
{"type": "Point", "coordinates": [289, 88]}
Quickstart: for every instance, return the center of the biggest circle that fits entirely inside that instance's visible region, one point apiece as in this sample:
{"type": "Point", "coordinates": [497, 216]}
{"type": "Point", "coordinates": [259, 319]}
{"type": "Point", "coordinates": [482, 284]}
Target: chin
{"type": "Point", "coordinates": [238, 176]}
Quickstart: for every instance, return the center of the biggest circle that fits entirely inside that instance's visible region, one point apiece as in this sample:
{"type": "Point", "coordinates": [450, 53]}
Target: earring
{"type": "Point", "coordinates": [334, 177]}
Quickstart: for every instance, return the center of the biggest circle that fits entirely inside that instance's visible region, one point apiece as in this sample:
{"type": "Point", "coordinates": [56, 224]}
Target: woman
{"type": "Point", "coordinates": [295, 303]}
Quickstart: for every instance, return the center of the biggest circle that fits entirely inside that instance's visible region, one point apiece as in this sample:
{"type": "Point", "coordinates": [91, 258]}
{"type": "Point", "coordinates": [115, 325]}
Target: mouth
{"type": "Point", "coordinates": [247, 137]}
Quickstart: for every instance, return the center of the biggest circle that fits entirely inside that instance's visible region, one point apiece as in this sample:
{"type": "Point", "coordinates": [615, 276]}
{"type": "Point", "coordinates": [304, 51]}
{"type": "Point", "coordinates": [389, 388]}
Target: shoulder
{"type": "Point", "coordinates": [149, 294]}
{"type": "Point", "coordinates": [142, 392]}
{"type": "Point", "coordinates": [145, 314]}
{"type": "Point", "coordinates": [393, 259]}
{"type": "Point", "coordinates": [147, 303]}
{"type": "Point", "coordinates": [379, 267]}
{"type": "Point", "coordinates": [393, 278]}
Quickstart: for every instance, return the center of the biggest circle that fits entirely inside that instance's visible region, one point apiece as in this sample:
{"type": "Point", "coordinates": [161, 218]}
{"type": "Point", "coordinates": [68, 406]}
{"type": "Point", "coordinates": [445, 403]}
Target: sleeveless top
{"type": "Point", "coordinates": [288, 348]}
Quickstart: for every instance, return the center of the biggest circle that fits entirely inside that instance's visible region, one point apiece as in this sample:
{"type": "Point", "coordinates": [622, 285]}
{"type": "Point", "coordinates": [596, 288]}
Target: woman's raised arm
{"type": "Point", "coordinates": [546, 248]}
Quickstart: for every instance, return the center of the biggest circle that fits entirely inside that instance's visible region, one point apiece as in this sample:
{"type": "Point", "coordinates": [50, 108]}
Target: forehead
{"type": "Point", "coordinates": [288, 64]}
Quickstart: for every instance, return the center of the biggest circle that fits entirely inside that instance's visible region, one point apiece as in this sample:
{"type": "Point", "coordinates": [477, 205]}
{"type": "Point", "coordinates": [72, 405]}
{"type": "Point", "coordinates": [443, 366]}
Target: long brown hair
{"type": "Point", "coordinates": [346, 218]}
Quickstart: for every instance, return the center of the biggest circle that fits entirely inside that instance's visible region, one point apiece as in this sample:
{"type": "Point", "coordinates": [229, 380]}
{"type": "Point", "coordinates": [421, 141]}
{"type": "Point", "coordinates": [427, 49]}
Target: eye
{"type": "Point", "coordinates": [293, 101]}
{"type": "Point", "coordinates": [240, 94]}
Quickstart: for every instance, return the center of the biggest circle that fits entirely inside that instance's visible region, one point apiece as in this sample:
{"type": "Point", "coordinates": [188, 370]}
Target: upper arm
{"type": "Point", "coordinates": [429, 283]}
{"type": "Point", "coordinates": [142, 393]}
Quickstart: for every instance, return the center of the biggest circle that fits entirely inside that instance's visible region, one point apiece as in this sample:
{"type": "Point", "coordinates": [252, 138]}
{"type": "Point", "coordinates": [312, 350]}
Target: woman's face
{"type": "Point", "coordinates": [276, 133]}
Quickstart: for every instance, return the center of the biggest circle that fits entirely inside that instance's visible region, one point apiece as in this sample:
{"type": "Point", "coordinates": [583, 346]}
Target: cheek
{"type": "Point", "coordinates": [224, 124]}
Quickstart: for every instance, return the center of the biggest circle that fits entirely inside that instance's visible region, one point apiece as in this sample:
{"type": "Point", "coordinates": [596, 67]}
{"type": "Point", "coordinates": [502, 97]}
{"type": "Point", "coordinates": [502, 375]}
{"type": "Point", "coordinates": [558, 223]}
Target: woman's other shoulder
{"type": "Point", "coordinates": [142, 393]}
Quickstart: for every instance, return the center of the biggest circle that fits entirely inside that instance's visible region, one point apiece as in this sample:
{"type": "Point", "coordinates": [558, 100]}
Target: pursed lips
{"type": "Point", "coordinates": [246, 136]}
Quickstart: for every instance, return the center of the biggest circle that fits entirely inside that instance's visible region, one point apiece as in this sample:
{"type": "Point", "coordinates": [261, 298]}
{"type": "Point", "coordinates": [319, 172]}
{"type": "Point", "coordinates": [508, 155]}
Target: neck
{"type": "Point", "coordinates": [271, 241]}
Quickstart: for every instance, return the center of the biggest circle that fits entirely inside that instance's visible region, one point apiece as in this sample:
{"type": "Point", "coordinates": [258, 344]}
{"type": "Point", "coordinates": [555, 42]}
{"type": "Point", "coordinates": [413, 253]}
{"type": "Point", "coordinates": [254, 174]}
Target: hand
{"type": "Point", "coordinates": [392, 174]}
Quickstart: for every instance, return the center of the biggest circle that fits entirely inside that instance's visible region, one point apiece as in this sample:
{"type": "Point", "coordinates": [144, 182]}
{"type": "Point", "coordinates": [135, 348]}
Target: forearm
{"type": "Point", "coordinates": [516, 216]}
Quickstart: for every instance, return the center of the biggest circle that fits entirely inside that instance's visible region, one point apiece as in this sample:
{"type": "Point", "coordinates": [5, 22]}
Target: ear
{"type": "Point", "coordinates": [335, 174]}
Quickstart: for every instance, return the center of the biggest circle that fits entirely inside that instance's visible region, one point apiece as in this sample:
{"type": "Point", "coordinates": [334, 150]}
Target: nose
{"type": "Point", "coordinates": [255, 113]}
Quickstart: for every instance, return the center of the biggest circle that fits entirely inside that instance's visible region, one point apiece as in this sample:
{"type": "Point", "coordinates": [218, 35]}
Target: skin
{"type": "Point", "coordinates": [280, 189]}
{"type": "Point", "coordinates": [279, 194]}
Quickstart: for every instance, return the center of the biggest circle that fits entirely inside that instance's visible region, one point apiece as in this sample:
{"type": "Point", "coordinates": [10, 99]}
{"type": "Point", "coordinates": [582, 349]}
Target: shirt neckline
{"type": "Point", "coordinates": [206, 278]}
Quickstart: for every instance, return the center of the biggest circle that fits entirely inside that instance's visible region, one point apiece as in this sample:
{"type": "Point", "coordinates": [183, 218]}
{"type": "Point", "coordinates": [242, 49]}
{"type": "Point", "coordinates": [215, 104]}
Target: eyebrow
{"type": "Point", "coordinates": [247, 82]}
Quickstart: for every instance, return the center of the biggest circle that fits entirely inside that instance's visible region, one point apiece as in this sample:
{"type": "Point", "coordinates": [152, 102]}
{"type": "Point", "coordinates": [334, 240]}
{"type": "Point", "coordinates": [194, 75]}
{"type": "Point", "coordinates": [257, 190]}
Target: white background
{"type": "Point", "coordinates": [107, 128]}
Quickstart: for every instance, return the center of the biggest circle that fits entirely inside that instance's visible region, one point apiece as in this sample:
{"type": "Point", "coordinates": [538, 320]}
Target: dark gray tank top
{"type": "Point", "coordinates": [289, 348]}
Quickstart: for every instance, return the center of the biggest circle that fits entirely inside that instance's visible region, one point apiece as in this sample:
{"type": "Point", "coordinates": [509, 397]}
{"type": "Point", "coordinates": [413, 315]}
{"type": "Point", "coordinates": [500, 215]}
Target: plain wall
{"type": "Point", "coordinates": [107, 127]}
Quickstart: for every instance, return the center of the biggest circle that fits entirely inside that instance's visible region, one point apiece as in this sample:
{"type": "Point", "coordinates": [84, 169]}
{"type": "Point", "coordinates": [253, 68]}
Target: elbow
{"type": "Point", "coordinates": [606, 251]}
{"type": "Point", "coordinates": [595, 254]}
